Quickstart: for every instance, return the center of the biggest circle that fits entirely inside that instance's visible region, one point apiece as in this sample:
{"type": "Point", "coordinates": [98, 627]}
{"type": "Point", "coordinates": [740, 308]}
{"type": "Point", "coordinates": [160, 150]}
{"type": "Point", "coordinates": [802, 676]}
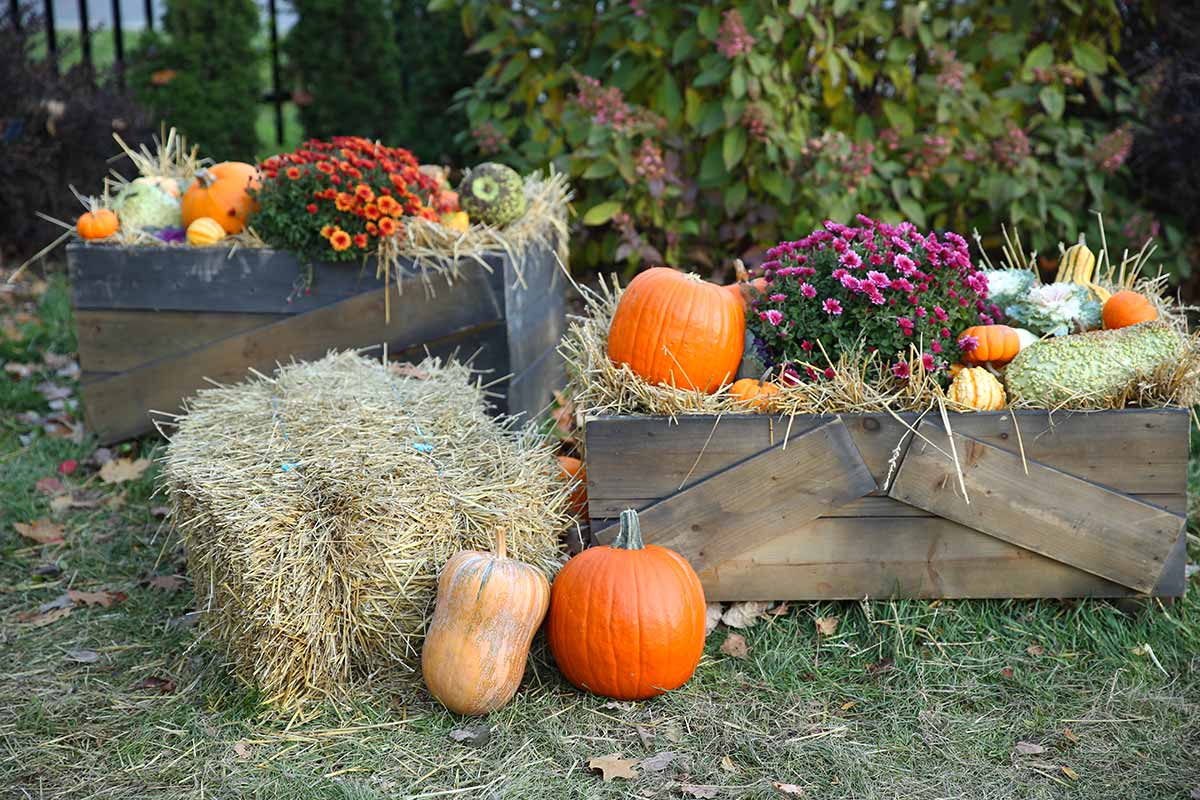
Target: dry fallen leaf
{"type": "Point", "coordinates": [20, 370]}
{"type": "Point", "coordinates": [83, 656]}
{"type": "Point", "coordinates": [42, 531]}
{"type": "Point", "coordinates": [1007, 672]}
{"type": "Point", "coordinates": [242, 749]}
{"type": "Point", "coordinates": [1195, 793]}
{"type": "Point", "coordinates": [779, 610]}
{"type": "Point", "coordinates": [476, 736]}
{"type": "Point", "coordinates": [745, 614]}
{"type": "Point", "coordinates": [826, 626]}
{"type": "Point", "coordinates": [102, 598]}
{"type": "Point", "coordinates": [728, 765]}
{"type": "Point", "coordinates": [657, 762]}
{"type": "Point", "coordinates": [712, 617]}
{"type": "Point", "coordinates": [735, 645]}
{"type": "Point", "coordinates": [42, 619]}
{"type": "Point", "coordinates": [168, 583]}
{"type": "Point", "coordinates": [1035, 650]}
{"type": "Point", "coordinates": [788, 789]}
{"type": "Point", "coordinates": [1070, 773]}
{"type": "Point", "coordinates": [644, 736]}
{"type": "Point", "coordinates": [702, 792]}
{"type": "Point", "coordinates": [162, 685]}
{"type": "Point", "coordinates": [1070, 735]}
{"type": "Point", "coordinates": [61, 503]}
{"type": "Point", "coordinates": [120, 470]}
{"type": "Point", "coordinates": [51, 485]}
{"type": "Point", "coordinates": [613, 766]}
{"type": "Point", "coordinates": [618, 705]}
{"type": "Point", "coordinates": [1029, 749]}
{"type": "Point", "coordinates": [672, 732]}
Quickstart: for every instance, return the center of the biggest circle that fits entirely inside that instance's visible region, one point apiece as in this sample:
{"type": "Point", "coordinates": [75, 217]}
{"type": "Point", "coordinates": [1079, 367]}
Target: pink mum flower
{"type": "Point", "coordinates": [832, 306]}
{"type": "Point", "coordinates": [927, 362]}
{"type": "Point", "coordinates": [777, 298]}
{"type": "Point", "coordinates": [900, 369]}
{"type": "Point", "coordinates": [773, 316]}
{"type": "Point", "coordinates": [880, 279]}
{"type": "Point", "coordinates": [808, 290]}
{"type": "Point", "coordinates": [967, 343]}
{"type": "Point", "coordinates": [851, 259]}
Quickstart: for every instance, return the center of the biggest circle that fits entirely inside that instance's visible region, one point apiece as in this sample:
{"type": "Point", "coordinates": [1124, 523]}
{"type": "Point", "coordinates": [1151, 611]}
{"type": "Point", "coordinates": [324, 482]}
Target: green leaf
{"type": "Point", "coordinates": [1089, 58]}
{"type": "Point", "coordinates": [840, 7]}
{"type": "Point", "coordinates": [1040, 57]}
{"type": "Point", "coordinates": [776, 184]}
{"type": "Point", "coordinates": [913, 211]}
{"type": "Point", "coordinates": [737, 81]}
{"type": "Point", "coordinates": [735, 196]}
{"type": "Point", "coordinates": [488, 41]}
{"type": "Point", "coordinates": [668, 100]}
{"type": "Point", "coordinates": [733, 146]}
{"type": "Point", "coordinates": [1005, 47]}
{"type": "Point", "coordinates": [708, 22]}
{"type": "Point", "coordinates": [1052, 100]}
{"type": "Point", "coordinates": [713, 75]}
{"type": "Point", "coordinates": [684, 45]}
{"type": "Point", "coordinates": [712, 120]}
{"type": "Point", "coordinates": [712, 169]}
{"type": "Point", "coordinates": [601, 212]}
{"type": "Point", "coordinates": [898, 117]}
{"type": "Point", "coordinates": [599, 169]}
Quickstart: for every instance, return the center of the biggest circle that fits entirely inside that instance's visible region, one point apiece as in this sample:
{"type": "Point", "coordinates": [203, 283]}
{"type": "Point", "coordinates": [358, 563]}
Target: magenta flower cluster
{"type": "Point", "coordinates": [886, 288]}
{"type": "Point", "coordinates": [607, 107]}
{"type": "Point", "coordinates": [733, 39]}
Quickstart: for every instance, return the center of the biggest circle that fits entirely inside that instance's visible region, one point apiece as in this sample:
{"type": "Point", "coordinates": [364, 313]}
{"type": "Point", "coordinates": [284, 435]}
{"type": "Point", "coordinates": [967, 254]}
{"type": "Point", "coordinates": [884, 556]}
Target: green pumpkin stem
{"type": "Point", "coordinates": [630, 536]}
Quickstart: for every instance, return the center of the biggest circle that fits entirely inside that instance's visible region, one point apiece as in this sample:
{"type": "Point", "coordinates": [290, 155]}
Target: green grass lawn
{"type": "Point", "coordinates": [905, 700]}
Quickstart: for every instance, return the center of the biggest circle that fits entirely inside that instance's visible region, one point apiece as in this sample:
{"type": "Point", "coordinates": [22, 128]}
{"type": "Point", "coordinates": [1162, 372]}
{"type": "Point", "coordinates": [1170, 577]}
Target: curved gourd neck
{"type": "Point", "coordinates": [630, 535]}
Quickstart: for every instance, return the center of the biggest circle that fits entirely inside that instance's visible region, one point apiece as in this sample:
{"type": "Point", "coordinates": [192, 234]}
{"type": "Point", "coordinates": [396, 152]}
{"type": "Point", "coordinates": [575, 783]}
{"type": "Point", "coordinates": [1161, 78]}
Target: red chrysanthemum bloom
{"type": "Point", "coordinates": [372, 212]}
{"type": "Point", "coordinates": [387, 226]}
{"type": "Point", "coordinates": [372, 229]}
{"type": "Point", "coordinates": [293, 173]}
{"type": "Point", "coordinates": [325, 167]}
{"type": "Point", "coordinates": [311, 208]}
{"type": "Point", "coordinates": [360, 241]}
{"type": "Point", "coordinates": [339, 240]}
{"type": "Point", "coordinates": [327, 230]}
{"type": "Point", "coordinates": [388, 205]}
{"type": "Point", "coordinates": [344, 201]}
{"type": "Point", "coordinates": [364, 193]}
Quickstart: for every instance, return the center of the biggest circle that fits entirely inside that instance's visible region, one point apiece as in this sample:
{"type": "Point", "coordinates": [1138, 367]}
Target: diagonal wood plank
{"type": "Point", "coordinates": [771, 494]}
{"type": "Point", "coordinates": [1048, 511]}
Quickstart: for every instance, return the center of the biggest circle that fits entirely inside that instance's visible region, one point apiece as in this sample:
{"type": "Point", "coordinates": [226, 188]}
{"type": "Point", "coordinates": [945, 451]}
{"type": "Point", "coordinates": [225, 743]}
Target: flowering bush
{"type": "Point", "coordinates": [699, 131]}
{"type": "Point", "coordinates": [882, 287]}
{"type": "Point", "coordinates": [333, 200]}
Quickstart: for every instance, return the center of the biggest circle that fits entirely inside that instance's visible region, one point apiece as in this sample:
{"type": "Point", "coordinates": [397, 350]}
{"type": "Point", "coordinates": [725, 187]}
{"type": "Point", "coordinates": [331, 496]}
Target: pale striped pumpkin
{"type": "Point", "coordinates": [204, 232]}
{"type": "Point", "coordinates": [977, 388]}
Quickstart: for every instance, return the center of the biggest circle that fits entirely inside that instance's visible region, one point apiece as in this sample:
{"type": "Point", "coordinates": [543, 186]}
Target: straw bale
{"type": "Point", "coordinates": [317, 507]}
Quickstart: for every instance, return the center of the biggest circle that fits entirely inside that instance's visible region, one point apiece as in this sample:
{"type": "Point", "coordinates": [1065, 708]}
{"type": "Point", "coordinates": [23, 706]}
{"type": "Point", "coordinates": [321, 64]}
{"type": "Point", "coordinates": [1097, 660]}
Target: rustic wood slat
{"type": "Point", "coordinates": [116, 341]}
{"type": "Point", "coordinates": [1053, 513]}
{"type": "Point", "coordinates": [766, 496]}
{"type": "Point", "coordinates": [632, 459]}
{"type": "Point", "coordinates": [849, 559]}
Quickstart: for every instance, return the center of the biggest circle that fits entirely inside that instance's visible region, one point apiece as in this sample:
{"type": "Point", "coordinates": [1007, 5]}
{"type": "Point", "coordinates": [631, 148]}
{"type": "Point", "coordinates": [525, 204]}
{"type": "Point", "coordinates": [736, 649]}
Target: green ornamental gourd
{"type": "Point", "coordinates": [1088, 369]}
{"type": "Point", "coordinates": [147, 203]}
{"type": "Point", "coordinates": [492, 194]}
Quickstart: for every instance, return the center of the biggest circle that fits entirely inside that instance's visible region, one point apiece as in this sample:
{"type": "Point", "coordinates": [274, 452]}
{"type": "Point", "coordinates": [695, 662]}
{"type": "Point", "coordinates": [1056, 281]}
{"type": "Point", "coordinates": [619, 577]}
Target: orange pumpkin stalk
{"type": "Point", "coordinates": [743, 288]}
{"type": "Point", "coordinates": [488, 608]}
{"type": "Point", "coordinates": [678, 330]}
{"type": "Point", "coordinates": [998, 344]}
{"type": "Point", "coordinates": [627, 621]}
{"type": "Point", "coordinates": [222, 192]}
{"type": "Point", "coordinates": [1127, 308]}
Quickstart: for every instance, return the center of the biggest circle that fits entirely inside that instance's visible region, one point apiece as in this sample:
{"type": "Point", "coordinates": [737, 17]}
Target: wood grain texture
{"type": "Point", "coordinates": [635, 459]}
{"type": "Point", "coordinates": [849, 559]}
{"type": "Point", "coordinates": [1046, 510]}
{"type": "Point", "coordinates": [766, 496]}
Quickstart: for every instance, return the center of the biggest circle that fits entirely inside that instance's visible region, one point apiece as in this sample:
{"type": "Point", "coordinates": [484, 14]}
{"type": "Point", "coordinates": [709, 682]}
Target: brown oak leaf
{"type": "Point", "coordinates": [657, 762]}
{"type": "Point", "coordinates": [51, 485]}
{"type": "Point", "coordinates": [161, 685]}
{"type": "Point", "coordinates": [735, 645]}
{"type": "Point", "coordinates": [826, 626]}
{"type": "Point", "coordinates": [102, 598]}
{"type": "Point", "coordinates": [42, 531]}
{"type": "Point", "coordinates": [120, 470]}
{"type": "Point", "coordinates": [1035, 650]}
{"type": "Point", "coordinates": [701, 792]}
{"type": "Point", "coordinates": [613, 766]}
{"type": "Point", "coordinates": [168, 583]}
{"type": "Point", "coordinates": [1029, 748]}
{"type": "Point", "coordinates": [788, 789]}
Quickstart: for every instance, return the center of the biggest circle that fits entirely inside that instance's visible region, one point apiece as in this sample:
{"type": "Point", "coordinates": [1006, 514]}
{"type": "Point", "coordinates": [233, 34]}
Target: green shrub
{"type": "Point", "coordinates": [201, 73]}
{"type": "Point", "coordinates": [346, 68]}
{"type": "Point", "coordinates": [696, 133]}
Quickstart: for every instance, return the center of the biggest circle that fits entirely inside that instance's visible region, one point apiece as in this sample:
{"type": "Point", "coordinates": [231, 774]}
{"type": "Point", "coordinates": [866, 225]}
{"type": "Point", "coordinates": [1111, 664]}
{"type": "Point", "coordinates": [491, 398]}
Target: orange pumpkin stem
{"type": "Point", "coordinates": [501, 543]}
{"type": "Point", "coordinates": [630, 536]}
{"type": "Point", "coordinates": [739, 271]}
{"type": "Point", "coordinates": [205, 178]}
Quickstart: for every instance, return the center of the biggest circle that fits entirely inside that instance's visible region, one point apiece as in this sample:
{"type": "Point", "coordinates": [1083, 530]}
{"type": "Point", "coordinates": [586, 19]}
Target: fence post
{"type": "Point", "coordinates": [276, 100]}
{"type": "Point", "coordinates": [150, 15]}
{"type": "Point", "coordinates": [85, 36]}
{"type": "Point", "coordinates": [119, 42]}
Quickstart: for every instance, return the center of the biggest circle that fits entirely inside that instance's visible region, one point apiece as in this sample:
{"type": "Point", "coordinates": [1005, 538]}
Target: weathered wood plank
{"type": "Point", "coordinates": [760, 498]}
{"type": "Point", "coordinates": [116, 341]}
{"type": "Point", "coordinates": [1045, 510]}
{"type": "Point", "coordinates": [116, 407]}
{"type": "Point", "coordinates": [634, 458]}
{"type": "Point", "coordinates": [532, 391]}
{"type": "Point", "coordinates": [875, 505]}
{"type": "Point", "coordinates": [245, 280]}
{"type": "Point", "coordinates": [849, 559]}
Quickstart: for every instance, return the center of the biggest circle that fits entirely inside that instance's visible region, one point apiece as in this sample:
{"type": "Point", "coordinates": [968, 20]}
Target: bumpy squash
{"type": "Point", "coordinates": [223, 192]}
{"type": "Point", "coordinates": [753, 392]}
{"type": "Point", "coordinates": [1127, 308]}
{"type": "Point", "coordinates": [488, 608]}
{"type": "Point", "coordinates": [627, 620]}
{"type": "Point", "coordinates": [998, 344]}
{"type": "Point", "coordinates": [678, 330]}
{"type": "Point", "coordinates": [205, 232]}
{"type": "Point", "coordinates": [977, 388]}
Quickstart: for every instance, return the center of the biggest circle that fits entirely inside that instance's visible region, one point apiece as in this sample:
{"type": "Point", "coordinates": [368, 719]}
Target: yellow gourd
{"type": "Point", "coordinates": [977, 388]}
{"type": "Point", "coordinates": [205, 232]}
{"type": "Point", "coordinates": [1077, 265]}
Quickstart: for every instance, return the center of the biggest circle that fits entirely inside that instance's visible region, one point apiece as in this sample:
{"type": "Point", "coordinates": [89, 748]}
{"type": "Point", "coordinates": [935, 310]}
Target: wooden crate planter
{"type": "Point", "coordinates": [856, 506]}
{"type": "Point", "coordinates": [154, 323]}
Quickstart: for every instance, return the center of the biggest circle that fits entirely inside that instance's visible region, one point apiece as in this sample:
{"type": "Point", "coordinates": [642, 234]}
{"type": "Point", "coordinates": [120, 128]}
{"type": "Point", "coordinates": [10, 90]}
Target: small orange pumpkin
{"type": "Point", "coordinates": [627, 621]}
{"type": "Point", "coordinates": [998, 344]}
{"type": "Point", "coordinates": [574, 470]}
{"type": "Point", "coordinates": [488, 608]}
{"type": "Point", "coordinates": [753, 392]}
{"type": "Point", "coordinates": [1127, 308]}
{"type": "Point", "coordinates": [223, 192]}
{"type": "Point", "coordinates": [678, 330]}
{"type": "Point", "coordinates": [98, 224]}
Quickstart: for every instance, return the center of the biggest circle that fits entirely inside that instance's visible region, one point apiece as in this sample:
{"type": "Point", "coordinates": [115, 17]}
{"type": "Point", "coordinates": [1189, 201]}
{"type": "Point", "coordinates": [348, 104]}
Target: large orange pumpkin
{"type": "Point", "coordinates": [488, 608]}
{"type": "Point", "coordinates": [574, 470]}
{"type": "Point", "coordinates": [627, 621]}
{"type": "Point", "coordinates": [1127, 308]}
{"type": "Point", "coordinates": [678, 330]}
{"type": "Point", "coordinates": [222, 192]}
{"type": "Point", "coordinates": [744, 289]}
{"type": "Point", "coordinates": [998, 344]}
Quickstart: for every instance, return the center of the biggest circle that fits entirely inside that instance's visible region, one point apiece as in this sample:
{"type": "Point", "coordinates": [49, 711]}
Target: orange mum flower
{"type": "Point", "coordinates": [372, 229]}
{"type": "Point", "coordinates": [343, 201]}
{"type": "Point", "coordinates": [339, 240]}
{"type": "Point", "coordinates": [364, 193]}
{"type": "Point", "coordinates": [327, 230]}
{"type": "Point", "coordinates": [388, 205]}
{"type": "Point", "coordinates": [387, 226]}
{"type": "Point", "coordinates": [292, 172]}
{"type": "Point", "coordinates": [325, 167]}
{"type": "Point", "coordinates": [372, 211]}
{"type": "Point", "coordinates": [360, 241]}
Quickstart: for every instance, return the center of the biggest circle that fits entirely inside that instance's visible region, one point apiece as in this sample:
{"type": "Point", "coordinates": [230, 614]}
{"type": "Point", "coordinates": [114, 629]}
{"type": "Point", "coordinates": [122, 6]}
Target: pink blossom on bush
{"type": "Point", "coordinates": [832, 306]}
{"type": "Point", "coordinates": [733, 39]}
{"type": "Point", "coordinates": [773, 316]}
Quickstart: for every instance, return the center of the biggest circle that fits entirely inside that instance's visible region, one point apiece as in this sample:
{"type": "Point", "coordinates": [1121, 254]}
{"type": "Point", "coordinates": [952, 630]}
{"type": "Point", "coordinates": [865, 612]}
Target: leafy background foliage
{"type": "Point", "coordinates": [697, 133]}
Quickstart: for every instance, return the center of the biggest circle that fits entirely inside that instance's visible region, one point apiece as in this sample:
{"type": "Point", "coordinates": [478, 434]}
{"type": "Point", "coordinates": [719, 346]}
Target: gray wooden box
{"type": "Point", "coordinates": [154, 323]}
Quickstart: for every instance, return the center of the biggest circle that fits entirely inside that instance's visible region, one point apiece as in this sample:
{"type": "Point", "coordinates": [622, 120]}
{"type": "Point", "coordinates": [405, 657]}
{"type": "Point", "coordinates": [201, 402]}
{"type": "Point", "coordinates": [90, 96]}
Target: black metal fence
{"type": "Point", "coordinates": [274, 96]}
